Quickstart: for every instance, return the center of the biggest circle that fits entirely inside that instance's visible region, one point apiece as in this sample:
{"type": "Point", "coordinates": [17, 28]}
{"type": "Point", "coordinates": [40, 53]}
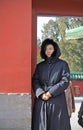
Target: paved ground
{"type": "Point", "coordinates": [74, 118]}
{"type": "Point", "coordinates": [15, 112]}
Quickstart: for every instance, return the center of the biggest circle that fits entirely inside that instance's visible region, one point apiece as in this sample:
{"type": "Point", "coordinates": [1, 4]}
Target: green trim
{"type": "Point", "coordinates": [75, 33]}
{"type": "Point", "coordinates": [76, 75]}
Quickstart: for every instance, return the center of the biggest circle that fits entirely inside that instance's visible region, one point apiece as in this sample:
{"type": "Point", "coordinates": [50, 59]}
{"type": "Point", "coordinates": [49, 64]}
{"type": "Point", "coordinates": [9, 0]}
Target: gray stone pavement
{"type": "Point", "coordinates": [15, 112]}
{"type": "Point", "coordinates": [74, 118]}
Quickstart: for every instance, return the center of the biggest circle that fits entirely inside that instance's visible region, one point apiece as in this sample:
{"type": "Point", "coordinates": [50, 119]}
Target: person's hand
{"type": "Point", "coordinates": [44, 97]}
{"type": "Point", "coordinates": [48, 94]}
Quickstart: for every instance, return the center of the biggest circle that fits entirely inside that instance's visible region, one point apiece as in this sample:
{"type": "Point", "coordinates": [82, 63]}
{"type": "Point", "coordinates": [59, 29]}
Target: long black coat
{"type": "Point", "coordinates": [51, 75]}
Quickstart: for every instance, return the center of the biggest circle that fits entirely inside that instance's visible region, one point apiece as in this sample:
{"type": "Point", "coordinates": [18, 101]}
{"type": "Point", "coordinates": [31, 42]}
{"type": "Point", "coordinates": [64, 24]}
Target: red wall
{"type": "Point", "coordinates": [15, 46]}
{"type": "Point", "coordinates": [80, 84]}
{"type": "Point", "coordinates": [18, 38]}
{"type": "Point", "coordinates": [58, 7]}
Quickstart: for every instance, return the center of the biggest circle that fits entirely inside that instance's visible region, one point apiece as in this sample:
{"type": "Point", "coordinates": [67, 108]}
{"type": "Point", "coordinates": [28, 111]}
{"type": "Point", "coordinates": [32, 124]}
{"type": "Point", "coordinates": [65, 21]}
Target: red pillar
{"type": "Point", "coordinates": [15, 46]}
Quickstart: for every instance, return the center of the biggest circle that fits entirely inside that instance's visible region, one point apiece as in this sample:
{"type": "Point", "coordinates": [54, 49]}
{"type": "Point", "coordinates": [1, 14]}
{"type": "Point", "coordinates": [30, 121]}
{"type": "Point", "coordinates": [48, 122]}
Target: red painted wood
{"type": "Point", "coordinates": [59, 7]}
{"type": "Point", "coordinates": [15, 46]}
{"type": "Point", "coordinates": [80, 84]}
{"type": "Point", "coordinates": [18, 38]}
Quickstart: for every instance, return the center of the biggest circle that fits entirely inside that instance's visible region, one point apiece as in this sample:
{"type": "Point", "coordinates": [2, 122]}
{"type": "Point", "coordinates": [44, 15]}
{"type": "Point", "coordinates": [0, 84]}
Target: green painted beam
{"type": "Point", "coordinates": [75, 33]}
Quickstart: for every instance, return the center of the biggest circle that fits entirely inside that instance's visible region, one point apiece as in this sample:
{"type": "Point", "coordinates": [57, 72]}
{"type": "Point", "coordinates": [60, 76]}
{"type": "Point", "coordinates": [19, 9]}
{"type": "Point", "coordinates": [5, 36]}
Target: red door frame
{"type": "Point", "coordinates": [72, 8]}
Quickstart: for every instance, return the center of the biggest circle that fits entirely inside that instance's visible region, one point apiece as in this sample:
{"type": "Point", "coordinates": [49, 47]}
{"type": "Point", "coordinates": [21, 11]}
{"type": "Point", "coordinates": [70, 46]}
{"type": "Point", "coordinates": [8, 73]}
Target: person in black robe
{"type": "Point", "coordinates": [80, 115]}
{"type": "Point", "coordinates": [49, 81]}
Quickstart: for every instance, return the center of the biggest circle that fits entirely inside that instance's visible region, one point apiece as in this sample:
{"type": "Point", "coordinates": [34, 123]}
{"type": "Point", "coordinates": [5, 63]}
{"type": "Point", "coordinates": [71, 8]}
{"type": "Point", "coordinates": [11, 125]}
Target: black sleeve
{"type": "Point", "coordinates": [36, 84]}
{"type": "Point", "coordinates": [63, 83]}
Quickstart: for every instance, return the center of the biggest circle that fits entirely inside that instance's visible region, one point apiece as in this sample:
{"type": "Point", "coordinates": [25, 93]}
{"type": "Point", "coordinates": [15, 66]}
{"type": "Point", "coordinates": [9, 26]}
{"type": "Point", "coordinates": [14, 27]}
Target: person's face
{"type": "Point", "coordinates": [49, 50]}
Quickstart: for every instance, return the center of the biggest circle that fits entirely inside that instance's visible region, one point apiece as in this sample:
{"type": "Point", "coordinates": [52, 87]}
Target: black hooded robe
{"type": "Point", "coordinates": [51, 75]}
